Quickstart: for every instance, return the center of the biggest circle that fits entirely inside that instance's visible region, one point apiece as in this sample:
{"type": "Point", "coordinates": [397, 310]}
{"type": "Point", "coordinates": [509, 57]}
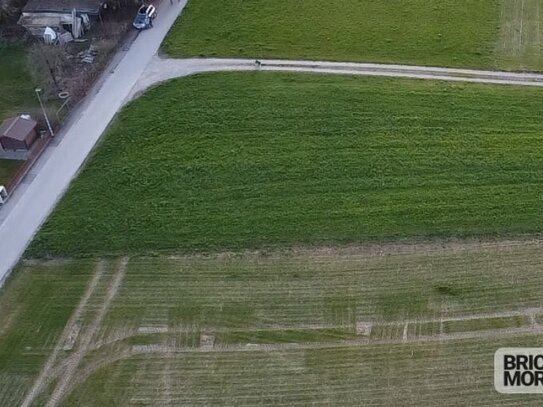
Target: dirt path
{"type": "Point", "coordinates": [160, 70]}
{"type": "Point", "coordinates": [87, 336]}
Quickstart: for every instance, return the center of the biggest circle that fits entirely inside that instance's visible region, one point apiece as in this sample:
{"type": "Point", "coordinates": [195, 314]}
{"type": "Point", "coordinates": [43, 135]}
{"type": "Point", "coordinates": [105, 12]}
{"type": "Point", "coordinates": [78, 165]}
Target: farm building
{"type": "Point", "coordinates": [18, 133]}
{"type": "Point", "coordinates": [74, 16]}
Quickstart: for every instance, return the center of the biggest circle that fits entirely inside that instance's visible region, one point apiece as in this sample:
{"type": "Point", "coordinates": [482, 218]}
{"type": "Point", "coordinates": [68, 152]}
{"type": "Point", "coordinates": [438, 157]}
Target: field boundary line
{"type": "Point", "coordinates": [372, 249]}
{"type": "Point", "coordinates": [44, 376]}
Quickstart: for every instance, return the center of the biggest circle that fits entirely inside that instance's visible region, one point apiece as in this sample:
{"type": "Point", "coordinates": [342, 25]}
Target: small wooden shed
{"type": "Point", "coordinates": [18, 133]}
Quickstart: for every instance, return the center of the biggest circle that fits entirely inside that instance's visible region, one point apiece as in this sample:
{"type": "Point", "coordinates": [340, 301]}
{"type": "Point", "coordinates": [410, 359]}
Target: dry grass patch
{"type": "Point", "coordinates": [349, 326]}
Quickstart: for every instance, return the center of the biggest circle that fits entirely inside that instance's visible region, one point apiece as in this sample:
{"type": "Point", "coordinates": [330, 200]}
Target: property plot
{"type": "Point", "coordinates": [249, 160]}
{"type": "Point", "coordinates": [349, 326]}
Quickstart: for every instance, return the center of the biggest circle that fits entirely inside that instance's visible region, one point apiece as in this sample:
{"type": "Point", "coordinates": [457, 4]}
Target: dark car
{"type": "Point", "coordinates": [145, 17]}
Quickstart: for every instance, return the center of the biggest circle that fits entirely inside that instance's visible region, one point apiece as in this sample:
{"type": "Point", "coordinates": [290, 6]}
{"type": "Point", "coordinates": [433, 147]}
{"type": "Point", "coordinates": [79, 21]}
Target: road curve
{"type": "Point", "coordinates": [161, 69]}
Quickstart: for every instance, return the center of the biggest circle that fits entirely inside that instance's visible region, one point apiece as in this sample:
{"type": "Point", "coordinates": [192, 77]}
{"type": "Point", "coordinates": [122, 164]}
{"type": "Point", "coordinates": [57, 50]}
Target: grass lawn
{"type": "Point", "coordinates": [500, 34]}
{"type": "Point", "coordinates": [16, 88]}
{"type": "Point", "coordinates": [272, 328]}
{"type": "Point", "coordinates": [238, 160]}
{"type": "Point", "coordinates": [8, 168]}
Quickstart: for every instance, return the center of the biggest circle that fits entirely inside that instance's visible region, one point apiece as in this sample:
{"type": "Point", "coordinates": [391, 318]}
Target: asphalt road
{"type": "Point", "coordinates": [33, 201]}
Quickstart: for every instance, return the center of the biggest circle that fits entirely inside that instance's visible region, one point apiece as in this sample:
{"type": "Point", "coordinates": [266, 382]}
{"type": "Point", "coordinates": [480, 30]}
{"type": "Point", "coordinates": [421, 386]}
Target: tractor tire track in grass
{"type": "Point", "coordinates": [519, 43]}
{"type": "Point", "coordinates": [87, 336]}
{"type": "Point", "coordinates": [176, 308]}
{"type": "Point", "coordinates": [45, 376]}
{"type": "Point", "coordinates": [168, 352]}
{"type": "Point", "coordinates": [529, 315]}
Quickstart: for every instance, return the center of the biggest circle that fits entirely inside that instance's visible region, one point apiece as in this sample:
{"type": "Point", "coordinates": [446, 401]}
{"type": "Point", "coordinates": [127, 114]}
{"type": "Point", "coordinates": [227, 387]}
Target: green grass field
{"type": "Point", "coordinates": [16, 88]}
{"type": "Point", "coordinates": [251, 160]}
{"type": "Point", "coordinates": [35, 305]}
{"type": "Point", "coordinates": [500, 34]}
{"type": "Point", "coordinates": [371, 325]}
{"type": "Point", "coordinates": [336, 181]}
{"type": "Point", "coordinates": [8, 168]}
{"type": "Point", "coordinates": [425, 374]}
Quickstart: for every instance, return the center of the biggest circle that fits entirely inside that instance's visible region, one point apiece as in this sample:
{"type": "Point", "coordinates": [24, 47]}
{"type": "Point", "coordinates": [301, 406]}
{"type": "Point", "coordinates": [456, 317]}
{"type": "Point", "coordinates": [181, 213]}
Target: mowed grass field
{"type": "Point", "coordinates": [372, 325]}
{"type": "Point", "coordinates": [8, 168]}
{"type": "Point", "coordinates": [233, 161]}
{"type": "Point", "coordinates": [16, 88]}
{"type": "Point", "coordinates": [503, 34]}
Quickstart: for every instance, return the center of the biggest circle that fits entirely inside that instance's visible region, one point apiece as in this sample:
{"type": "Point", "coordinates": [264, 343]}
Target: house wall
{"type": "Point", "coordinates": [31, 138]}
{"type": "Point", "coordinates": [14, 144]}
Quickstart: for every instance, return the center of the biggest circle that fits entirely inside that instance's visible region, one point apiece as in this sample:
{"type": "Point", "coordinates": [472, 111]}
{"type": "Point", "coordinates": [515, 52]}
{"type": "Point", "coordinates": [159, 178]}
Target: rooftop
{"type": "Point", "coordinates": [63, 6]}
{"type": "Point", "coordinates": [17, 128]}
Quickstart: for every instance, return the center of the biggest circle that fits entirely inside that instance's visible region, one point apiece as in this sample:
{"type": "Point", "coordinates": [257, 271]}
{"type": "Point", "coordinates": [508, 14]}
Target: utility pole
{"type": "Point", "coordinates": [38, 90]}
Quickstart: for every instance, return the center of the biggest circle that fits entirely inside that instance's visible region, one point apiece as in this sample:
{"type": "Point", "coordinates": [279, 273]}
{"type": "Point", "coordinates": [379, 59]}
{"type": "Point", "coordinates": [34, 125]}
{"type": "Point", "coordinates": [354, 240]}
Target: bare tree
{"type": "Point", "coordinates": [47, 63]}
{"type": "Point", "coordinates": [10, 10]}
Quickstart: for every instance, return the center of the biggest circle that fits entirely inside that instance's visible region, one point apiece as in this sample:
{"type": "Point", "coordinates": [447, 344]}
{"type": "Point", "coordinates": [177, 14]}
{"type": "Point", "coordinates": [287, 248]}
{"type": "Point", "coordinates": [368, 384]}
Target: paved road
{"type": "Point", "coordinates": [163, 69]}
{"type": "Point", "coordinates": [31, 203]}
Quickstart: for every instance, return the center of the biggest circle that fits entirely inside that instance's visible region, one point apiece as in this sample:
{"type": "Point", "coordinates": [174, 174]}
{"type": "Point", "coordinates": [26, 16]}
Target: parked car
{"type": "Point", "coordinates": [3, 195]}
{"type": "Point", "coordinates": [144, 18]}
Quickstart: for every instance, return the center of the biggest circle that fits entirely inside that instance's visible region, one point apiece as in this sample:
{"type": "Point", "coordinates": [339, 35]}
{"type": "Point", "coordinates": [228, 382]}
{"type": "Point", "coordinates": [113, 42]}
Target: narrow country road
{"type": "Point", "coordinates": [33, 201]}
{"type": "Point", "coordinates": [163, 69]}
{"type": "Point", "coordinates": [139, 68]}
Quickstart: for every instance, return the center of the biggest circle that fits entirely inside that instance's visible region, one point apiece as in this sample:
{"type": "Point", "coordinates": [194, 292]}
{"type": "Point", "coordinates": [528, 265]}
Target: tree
{"type": "Point", "coordinates": [10, 10]}
{"type": "Point", "coordinates": [47, 64]}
